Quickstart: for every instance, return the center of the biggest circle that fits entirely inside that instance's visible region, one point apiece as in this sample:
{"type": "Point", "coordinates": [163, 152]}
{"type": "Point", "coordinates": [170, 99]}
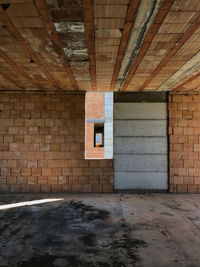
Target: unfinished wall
{"type": "Point", "coordinates": [94, 110]}
{"type": "Point", "coordinates": [184, 131]}
{"type": "Point", "coordinates": [42, 145]}
{"type": "Point", "coordinates": [99, 109]}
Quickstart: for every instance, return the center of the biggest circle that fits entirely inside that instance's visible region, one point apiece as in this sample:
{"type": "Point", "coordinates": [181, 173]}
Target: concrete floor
{"type": "Point", "coordinates": [100, 230]}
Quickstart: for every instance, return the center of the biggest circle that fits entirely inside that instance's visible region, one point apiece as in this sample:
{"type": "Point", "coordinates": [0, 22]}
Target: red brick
{"type": "Point", "coordinates": [56, 188]}
{"type": "Point", "coordinates": [196, 147]}
{"type": "Point", "coordinates": [188, 180]}
{"type": "Point", "coordinates": [53, 179]}
{"type": "Point", "coordinates": [172, 188]}
{"type": "Point", "coordinates": [182, 188]}
{"type": "Point", "coordinates": [3, 180]}
{"type": "Point", "coordinates": [63, 180]}
{"type": "Point", "coordinates": [73, 179]}
{"type": "Point", "coordinates": [183, 171]}
{"type": "Point", "coordinates": [22, 180]}
{"type": "Point", "coordinates": [3, 163]}
{"type": "Point", "coordinates": [67, 171]}
{"type": "Point", "coordinates": [5, 171]}
{"type": "Point", "coordinates": [192, 188]}
{"type": "Point", "coordinates": [45, 188]}
{"type": "Point", "coordinates": [15, 171]}
{"type": "Point", "coordinates": [183, 139]}
{"type": "Point", "coordinates": [56, 171]}
{"type": "Point", "coordinates": [14, 188]}
{"type": "Point", "coordinates": [178, 180]}
{"type": "Point", "coordinates": [87, 188]}
{"type": "Point", "coordinates": [8, 138]}
{"type": "Point", "coordinates": [12, 180]}
{"type": "Point", "coordinates": [14, 147]}
{"type": "Point", "coordinates": [4, 188]}
{"type": "Point", "coordinates": [77, 171]}
{"type": "Point", "coordinates": [178, 163]}
{"type": "Point", "coordinates": [188, 131]}
{"type": "Point", "coordinates": [76, 188]}
{"type": "Point", "coordinates": [97, 188]}
{"type": "Point", "coordinates": [46, 171]}
{"type": "Point", "coordinates": [187, 114]}
{"type": "Point", "coordinates": [107, 188]}
{"type": "Point", "coordinates": [188, 163]}
{"type": "Point", "coordinates": [178, 130]}
{"type": "Point", "coordinates": [35, 188]}
{"type": "Point", "coordinates": [24, 188]}
{"type": "Point", "coordinates": [193, 171]}
{"type": "Point", "coordinates": [25, 172]}
{"type": "Point", "coordinates": [66, 188]}
{"type": "Point", "coordinates": [32, 180]}
{"type": "Point", "coordinates": [29, 106]}
{"type": "Point", "coordinates": [188, 147]}
{"type": "Point", "coordinates": [177, 98]}
{"type": "Point", "coordinates": [83, 180]}
{"type": "Point", "coordinates": [193, 155]}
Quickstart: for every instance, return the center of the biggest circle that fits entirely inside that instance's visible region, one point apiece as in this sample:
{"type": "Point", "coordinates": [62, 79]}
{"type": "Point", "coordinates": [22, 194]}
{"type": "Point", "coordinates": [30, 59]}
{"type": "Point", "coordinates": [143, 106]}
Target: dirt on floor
{"type": "Point", "coordinates": [100, 230]}
{"type": "Point", "coordinates": [66, 233]}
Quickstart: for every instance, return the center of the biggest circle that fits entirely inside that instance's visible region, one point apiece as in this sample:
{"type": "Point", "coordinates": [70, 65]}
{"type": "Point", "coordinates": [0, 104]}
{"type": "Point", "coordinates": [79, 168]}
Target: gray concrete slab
{"type": "Point", "coordinates": [100, 230]}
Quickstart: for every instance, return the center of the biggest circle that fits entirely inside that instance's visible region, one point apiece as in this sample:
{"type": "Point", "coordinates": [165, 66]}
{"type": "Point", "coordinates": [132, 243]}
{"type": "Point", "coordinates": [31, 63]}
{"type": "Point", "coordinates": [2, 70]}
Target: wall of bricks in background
{"type": "Point", "coordinates": [184, 137]}
{"type": "Point", "coordinates": [94, 109]}
{"type": "Point", "coordinates": [42, 145]}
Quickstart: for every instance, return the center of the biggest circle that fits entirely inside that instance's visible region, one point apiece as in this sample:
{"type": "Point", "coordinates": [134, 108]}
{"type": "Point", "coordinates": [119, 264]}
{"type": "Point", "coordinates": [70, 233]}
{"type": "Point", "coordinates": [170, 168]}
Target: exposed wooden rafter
{"type": "Point", "coordinates": [132, 9]}
{"type": "Point", "coordinates": [88, 14]}
{"type": "Point", "coordinates": [160, 17]}
{"type": "Point", "coordinates": [20, 70]}
{"type": "Point", "coordinates": [42, 9]}
{"type": "Point", "coordinates": [14, 31]}
{"type": "Point", "coordinates": [190, 31]}
{"type": "Point", "coordinates": [187, 80]}
{"type": "Point", "coordinates": [8, 78]}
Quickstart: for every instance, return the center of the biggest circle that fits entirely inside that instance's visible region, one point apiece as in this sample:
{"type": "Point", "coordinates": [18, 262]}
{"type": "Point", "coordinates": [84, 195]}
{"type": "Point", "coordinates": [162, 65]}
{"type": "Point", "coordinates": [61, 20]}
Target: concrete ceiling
{"type": "Point", "coordinates": [100, 45]}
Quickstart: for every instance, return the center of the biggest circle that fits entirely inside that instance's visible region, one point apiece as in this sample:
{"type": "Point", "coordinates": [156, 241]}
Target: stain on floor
{"type": "Point", "coordinates": [66, 234]}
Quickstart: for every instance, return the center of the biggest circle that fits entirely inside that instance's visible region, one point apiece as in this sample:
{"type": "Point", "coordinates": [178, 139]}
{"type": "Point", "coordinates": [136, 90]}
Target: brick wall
{"type": "Point", "coordinates": [42, 145]}
{"type": "Point", "coordinates": [184, 134]}
{"type": "Point", "coordinates": [94, 109]}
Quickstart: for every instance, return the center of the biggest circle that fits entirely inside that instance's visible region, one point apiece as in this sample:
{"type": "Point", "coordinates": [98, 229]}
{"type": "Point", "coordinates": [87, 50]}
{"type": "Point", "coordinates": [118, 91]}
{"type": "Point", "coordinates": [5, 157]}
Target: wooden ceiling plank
{"type": "Point", "coordinates": [8, 60]}
{"type": "Point", "coordinates": [42, 9]}
{"type": "Point", "coordinates": [8, 78]}
{"type": "Point", "coordinates": [88, 15]}
{"type": "Point", "coordinates": [129, 21]}
{"type": "Point", "coordinates": [14, 31]}
{"type": "Point", "coordinates": [160, 17]}
{"type": "Point", "coordinates": [185, 37]}
{"type": "Point", "coordinates": [187, 80]}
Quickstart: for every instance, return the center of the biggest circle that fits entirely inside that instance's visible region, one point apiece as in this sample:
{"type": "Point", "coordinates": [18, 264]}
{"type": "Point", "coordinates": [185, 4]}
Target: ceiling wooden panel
{"type": "Point", "coordinates": [174, 44]}
{"type": "Point", "coordinates": [85, 45]}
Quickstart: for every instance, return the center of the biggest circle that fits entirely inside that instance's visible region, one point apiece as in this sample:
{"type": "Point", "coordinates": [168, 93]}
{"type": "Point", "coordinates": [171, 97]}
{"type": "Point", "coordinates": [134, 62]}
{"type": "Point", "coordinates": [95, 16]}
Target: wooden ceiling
{"type": "Point", "coordinates": [100, 45]}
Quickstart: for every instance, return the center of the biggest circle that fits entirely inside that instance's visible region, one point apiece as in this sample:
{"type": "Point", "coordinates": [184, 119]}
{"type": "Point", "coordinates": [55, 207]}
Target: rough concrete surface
{"type": "Point", "coordinates": [100, 230]}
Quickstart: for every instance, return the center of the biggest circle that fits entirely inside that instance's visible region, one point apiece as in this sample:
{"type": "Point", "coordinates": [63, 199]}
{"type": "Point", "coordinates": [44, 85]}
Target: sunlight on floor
{"type": "Point", "coordinates": [28, 203]}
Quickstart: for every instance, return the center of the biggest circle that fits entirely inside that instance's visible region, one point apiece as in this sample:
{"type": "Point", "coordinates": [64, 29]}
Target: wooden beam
{"type": "Point", "coordinates": [187, 80]}
{"type": "Point", "coordinates": [88, 15]}
{"type": "Point", "coordinates": [8, 78]}
{"type": "Point", "coordinates": [8, 60]}
{"type": "Point", "coordinates": [160, 17]}
{"type": "Point", "coordinates": [42, 9]}
{"type": "Point", "coordinates": [14, 31]}
{"type": "Point", "coordinates": [129, 21]}
{"type": "Point", "coordinates": [190, 31]}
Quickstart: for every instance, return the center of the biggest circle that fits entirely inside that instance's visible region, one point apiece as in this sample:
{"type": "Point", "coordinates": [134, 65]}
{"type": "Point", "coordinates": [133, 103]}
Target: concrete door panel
{"type": "Point", "coordinates": [140, 146]}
